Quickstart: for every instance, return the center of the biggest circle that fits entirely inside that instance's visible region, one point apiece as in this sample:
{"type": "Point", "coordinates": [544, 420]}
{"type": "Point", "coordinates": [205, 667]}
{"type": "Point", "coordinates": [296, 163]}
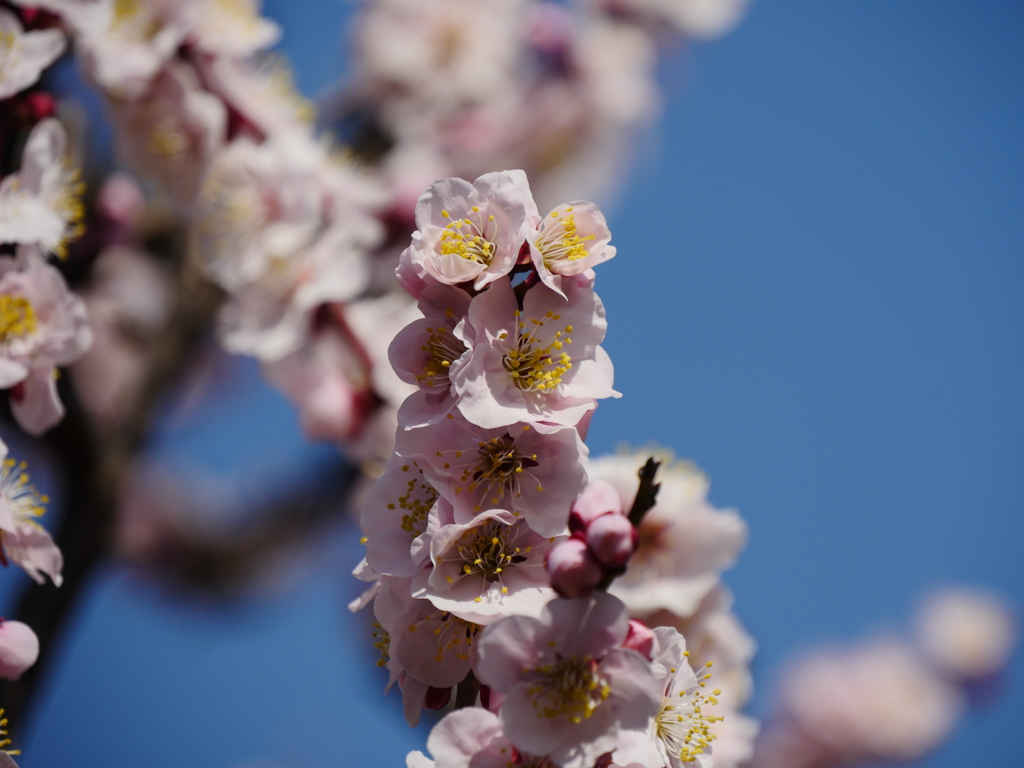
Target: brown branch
{"type": "Point", "coordinates": [93, 469]}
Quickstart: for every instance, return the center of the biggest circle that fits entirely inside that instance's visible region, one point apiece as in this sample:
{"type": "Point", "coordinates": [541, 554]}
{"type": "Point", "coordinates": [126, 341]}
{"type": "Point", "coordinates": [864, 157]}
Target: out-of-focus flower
{"type": "Point", "coordinates": [878, 702]}
{"type": "Point", "coordinates": [24, 541]}
{"type": "Point", "coordinates": [693, 18]}
{"type": "Point", "coordinates": [570, 689]}
{"type": "Point", "coordinates": [42, 326]}
{"type": "Point", "coordinates": [19, 649]}
{"type": "Point", "coordinates": [685, 543]}
{"type": "Point", "coordinates": [41, 204]}
{"type": "Point", "coordinates": [968, 634]}
{"type": "Point", "coordinates": [24, 55]}
{"type": "Point", "coordinates": [171, 130]}
{"type": "Point", "coordinates": [226, 28]}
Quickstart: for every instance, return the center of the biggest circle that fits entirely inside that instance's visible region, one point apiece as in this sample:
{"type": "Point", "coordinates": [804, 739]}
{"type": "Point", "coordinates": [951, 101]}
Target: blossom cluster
{"type": "Point", "coordinates": [488, 489]}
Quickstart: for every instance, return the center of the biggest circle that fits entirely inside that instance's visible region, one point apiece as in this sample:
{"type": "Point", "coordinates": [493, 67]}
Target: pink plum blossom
{"type": "Point", "coordinates": [472, 738]}
{"type": "Point", "coordinates": [568, 241]}
{"type": "Point", "coordinates": [24, 541]}
{"type": "Point", "coordinates": [171, 131]}
{"type": "Point", "coordinates": [422, 353]}
{"type": "Point", "coordinates": [679, 736]}
{"type": "Point", "coordinates": [24, 55]}
{"type": "Point", "coordinates": [41, 204]}
{"type": "Point", "coordinates": [685, 543]}
{"type": "Point", "coordinates": [42, 326]}
{"type": "Point", "coordinates": [539, 364]}
{"type": "Point", "coordinates": [488, 568]}
{"type": "Point", "coordinates": [518, 468]}
{"type": "Point", "coordinates": [470, 232]}
{"type": "Point", "coordinates": [19, 649]}
{"type": "Point", "coordinates": [571, 689]}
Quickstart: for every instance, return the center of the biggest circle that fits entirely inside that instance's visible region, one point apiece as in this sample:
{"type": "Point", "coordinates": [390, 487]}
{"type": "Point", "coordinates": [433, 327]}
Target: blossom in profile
{"type": "Point", "coordinates": [570, 688]}
{"type": "Point", "coordinates": [541, 363]}
{"type": "Point", "coordinates": [571, 239]}
{"type": "Point", "coordinates": [471, 738]}
{"type": "Point", "coordinates": [24, 541]}
{"type": "Point", "coordinates": [24, 55]}
{"type": "Point", "coordinates": [684, 543]}
{"type": "Point", "coordinates": [680, 735]}
{"type": "Point", "coordinates": [42, 326]}
{"type": "Point", "coordinates": [19, 649]}
{"type": "Point", "coordinates": [470, 232]}
{"type": "Point", "coordinates": [41, 204]}
{"type": "Point", "coordinates": [422, 353]}
{"type": "Point", "coordinates": [968, 634]}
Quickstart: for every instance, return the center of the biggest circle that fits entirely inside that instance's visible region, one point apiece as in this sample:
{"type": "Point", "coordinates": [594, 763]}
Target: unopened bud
{"type": "Point", "coordinates": [574, 572]}
{"type": "Point", "coordinates": [19, 649]}
{"type": "Point", "coordinates": [598, 498]}
{"type": "Point", "coordinates": [640, 638]}
{"type": "Point", "coordinates": [612, 540]}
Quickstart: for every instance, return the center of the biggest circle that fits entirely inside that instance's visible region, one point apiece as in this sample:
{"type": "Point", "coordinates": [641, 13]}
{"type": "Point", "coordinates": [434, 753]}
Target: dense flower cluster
{"type": "Point", "coordinates": [472, 529]}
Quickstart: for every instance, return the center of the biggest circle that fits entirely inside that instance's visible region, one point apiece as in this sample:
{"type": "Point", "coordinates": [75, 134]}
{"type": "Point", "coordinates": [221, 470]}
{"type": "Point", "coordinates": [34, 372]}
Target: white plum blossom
{"type": "Point", "coordinates": [570, 689]}
{"type": "Point", "coordinates": [700, 19]}
{"type": "Point", "coordinates": [24, 55]}
{"type": "Point", "coordinates": [680, 734]}
{"type": "Point", "coordinates": [472, 738]}
{"type": "Point", "coordinates": [470, 232]}
{"type": "Point", "coordinates": [171, 130]}
{"type": "Point", "coordinates": [685, 543]}
{"type": "Point", "coordinates": [226, 28]}
{"type": "Point", "coordinates": [966, 633]}
{"type": "Point", "coordinates": [488, 568]}
{"type": "Point", "coordinates": [540, 364]}
{"type": "Point", "coordinates": [24, 541]}
{"type": "Point", "coordinates": [41, 204]}
{"type": "Point", "coordinates": [530, 473]}
{"type": "Point", "coordinates": [42, 326]}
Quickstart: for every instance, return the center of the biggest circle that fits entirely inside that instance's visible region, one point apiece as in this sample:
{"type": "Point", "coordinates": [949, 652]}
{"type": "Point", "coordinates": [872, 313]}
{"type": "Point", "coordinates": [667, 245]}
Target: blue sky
{"type": "Point", "coordinates": [818, 297]}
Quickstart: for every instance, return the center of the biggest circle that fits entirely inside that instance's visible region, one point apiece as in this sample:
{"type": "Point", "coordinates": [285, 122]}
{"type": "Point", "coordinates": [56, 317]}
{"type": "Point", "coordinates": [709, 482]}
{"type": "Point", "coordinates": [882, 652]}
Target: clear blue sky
{"type": "Point", "coordinates": [818, 297]}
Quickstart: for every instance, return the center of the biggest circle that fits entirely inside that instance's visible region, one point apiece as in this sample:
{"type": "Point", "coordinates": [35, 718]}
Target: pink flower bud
{"type": "Point", "coordinates": [598, 498]}
{"type": "Point", "coordinates": [640, 638]}
{"type": "Point", "coordinates": [19, 648]}
{"type": "Point", "coordinates": [574, 573]}
{"type": "Point", "coordinates": [121, 200]}
{"type": "Point", "coordinates": [437, 698]}
{"type": "Point", "coordinates": [612, 540]}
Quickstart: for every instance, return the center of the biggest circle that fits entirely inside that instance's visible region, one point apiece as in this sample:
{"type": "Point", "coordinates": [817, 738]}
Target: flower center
{"type": "Point", "coordinates": [444, 349]}
{"type": "Point", "coordinates": [417, 501]}
{"type": "Point", "coordinates": [490, 549]}
{"type": "Point", "coordinates": [132, 20]}
{"type": "Point", "coordinates": [17, 318]}
{"type": "Point", "coordinates": [382, 642]}
{"type": "Point", "coordinates": [25, 501]}
{"type": "Point", "coordinates": [500, 469]}
{"type": "Point", "coordinates": [569, 688]}
{"type": "Point", "coordinates": [467, 239]}
{"type": "Point", "coordinates": [681, 725]}
{"type": "Point", "coordinates": [453, 635]}
{"type": "Point", "coordinates": [559, 240]}
{"type": "Point", "coordinates": [67, 201]}
{"type": "Point", "coordinates": [536, 363]}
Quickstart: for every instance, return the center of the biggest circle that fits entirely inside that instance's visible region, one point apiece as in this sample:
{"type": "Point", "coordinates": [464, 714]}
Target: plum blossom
{"type": "Point", "coordinates": [172, 130]}
{"type": "Point", "coordinates": [394, 515]}
{"type": "Point", "coordinates": [491, 567]}
{"type": "Point", "coordinates": [878, 702]}
{"type": "Point", "coordinates": [684, 544]}
{"type": "Point", "coordinates": [701, 19]}
{"type": "Point", "coordinates": [422, 353]}
{"type": "Point", "coordinates": [24, 541]}
{"type": "Point", "coordinates": [41, 204]}
{"type": "Point", "coordinates": [472, 738]}
{"type": "Point", "coordinates": [542, 363]}
{"type": "Point", "coordinates": [680, 735]}
{"type": "Point", "coordinates": [19, 649]}
{"type": "Point", "coordinates": [568, 241]}
{"type": "Point", "coordinates": [570, 689]}
{"type": "Point", "coordinates": [24, 55]}
{"type": "Point", "coordinates": [470, 232]}
{"type": "Point", "coordinates": [42, 326]}
{"type": "Point", "coordinates": [968, 634]}
{"type": "Point", "coordinates": [227, 28]}
{"type": "Point", "coordinates": [518, 468]}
